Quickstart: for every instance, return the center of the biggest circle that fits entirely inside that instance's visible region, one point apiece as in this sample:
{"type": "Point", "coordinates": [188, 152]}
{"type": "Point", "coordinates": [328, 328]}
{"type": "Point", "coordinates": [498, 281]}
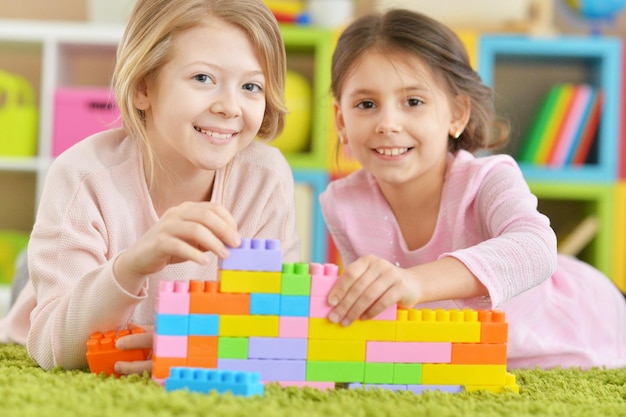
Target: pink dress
{"type": "Point", "coordinates": [95, 204]}
{"type": "Point", "coordinates": [561, 311]}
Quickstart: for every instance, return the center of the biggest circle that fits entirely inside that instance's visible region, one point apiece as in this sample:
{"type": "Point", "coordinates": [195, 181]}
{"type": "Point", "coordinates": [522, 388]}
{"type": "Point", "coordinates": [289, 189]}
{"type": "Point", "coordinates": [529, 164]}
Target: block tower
{"type": "Point", "coordinates": [268, 318]}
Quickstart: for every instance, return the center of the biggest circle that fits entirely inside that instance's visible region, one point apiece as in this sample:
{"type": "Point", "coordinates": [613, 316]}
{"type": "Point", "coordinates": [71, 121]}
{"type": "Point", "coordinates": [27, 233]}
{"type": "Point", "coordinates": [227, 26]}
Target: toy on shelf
{"type": "Point", "coordinates": [102, 353]}
{"type": "Point", "coordinates": [271, 319]}
{"type": "Point", "coordinates": [288, 11]}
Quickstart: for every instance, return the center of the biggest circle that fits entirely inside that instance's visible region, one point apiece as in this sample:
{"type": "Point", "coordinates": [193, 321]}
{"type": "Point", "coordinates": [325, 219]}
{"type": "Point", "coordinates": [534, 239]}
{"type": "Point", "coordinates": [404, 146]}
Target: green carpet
{"type": "Point", "coordinates": [27, 390]}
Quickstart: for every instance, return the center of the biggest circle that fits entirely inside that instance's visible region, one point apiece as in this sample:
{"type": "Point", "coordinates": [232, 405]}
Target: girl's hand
{"type": "Point", "coordinates": [135, 341]}
{"type": "Point", "coordinates": [367, 287]}
{"type": "Point", "coordinates": [184, 233]}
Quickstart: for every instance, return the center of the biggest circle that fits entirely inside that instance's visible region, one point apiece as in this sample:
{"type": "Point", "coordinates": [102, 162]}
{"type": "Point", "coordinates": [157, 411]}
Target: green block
{"type": "Point", "coordinates": [378, 373]}
{"type": "Point", "coordinates": [407, 373]}
{"type": "Point", "coordinates": [232, 348]}
{"type": "Point", "coordinates": [295, 279]}
{"type": "Point", "coordinates": [334, 371]}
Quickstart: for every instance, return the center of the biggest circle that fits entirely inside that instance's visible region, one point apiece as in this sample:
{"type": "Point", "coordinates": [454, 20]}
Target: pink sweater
{"type": "Point", "coordinates": [561, 312]}
{"type": "Point", "coordinates": [94, 205]}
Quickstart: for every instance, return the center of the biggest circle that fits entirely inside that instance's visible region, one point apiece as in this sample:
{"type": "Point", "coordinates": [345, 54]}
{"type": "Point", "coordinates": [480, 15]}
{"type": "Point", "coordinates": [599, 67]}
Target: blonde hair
{"type": "Point", "coordinates": [146, 43]}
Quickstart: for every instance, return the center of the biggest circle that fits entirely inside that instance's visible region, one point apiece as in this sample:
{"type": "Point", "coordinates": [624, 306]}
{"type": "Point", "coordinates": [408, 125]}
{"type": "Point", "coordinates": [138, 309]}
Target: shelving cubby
{"type": "Point", "coordinates": [567, 205]}
{"type": "Point", "coordinates": [522, 68]}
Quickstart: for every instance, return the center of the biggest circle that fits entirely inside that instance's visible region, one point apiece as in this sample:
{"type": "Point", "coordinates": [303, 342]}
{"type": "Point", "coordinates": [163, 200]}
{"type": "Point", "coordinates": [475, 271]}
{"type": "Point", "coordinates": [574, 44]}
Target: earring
{"type": "Point", "coordinates": [342, 139]}
{"type": "Point", "coordinates": [458, 134]}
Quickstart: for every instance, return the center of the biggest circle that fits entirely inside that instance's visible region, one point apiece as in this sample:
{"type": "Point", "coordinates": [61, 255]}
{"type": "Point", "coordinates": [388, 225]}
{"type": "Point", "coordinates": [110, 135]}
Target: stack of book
{"type": "Point", "coordinates": [564, 126]}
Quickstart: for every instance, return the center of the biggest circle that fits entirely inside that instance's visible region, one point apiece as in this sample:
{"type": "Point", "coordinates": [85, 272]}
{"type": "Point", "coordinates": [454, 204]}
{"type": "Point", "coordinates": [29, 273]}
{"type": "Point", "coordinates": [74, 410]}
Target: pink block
{"type": "Point", "coordinates": [170, 346]}
{"type": "Point", "coordinates": [311, 384]}
{"type": "Point", "coordinates": [409, 352]}
{"type": "Point", "coordinates": [81, 112]}
{"type": "Point", "coordinates": [319, 307]}
{"type": "Point", "coordinates": [391, 313]}
{"type": "Point", "coordinates": [323, 278]}
{"type": "Point", "coordinates": [293, 327]}
{"type": "Point", "coordinates": [173, 297]}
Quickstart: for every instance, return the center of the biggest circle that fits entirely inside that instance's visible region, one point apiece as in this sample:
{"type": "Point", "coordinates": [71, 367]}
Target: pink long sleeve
{"type": "Point", "coordinates": [95, 204]}
{"type": "Point", "coordinates": [561, 312]}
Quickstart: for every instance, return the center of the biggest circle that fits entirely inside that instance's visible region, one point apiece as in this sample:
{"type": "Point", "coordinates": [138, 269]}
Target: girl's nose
{"type": "Point", "coordinates": [225, 103]}
{"type": "Point", "coordinates": [388, 123]}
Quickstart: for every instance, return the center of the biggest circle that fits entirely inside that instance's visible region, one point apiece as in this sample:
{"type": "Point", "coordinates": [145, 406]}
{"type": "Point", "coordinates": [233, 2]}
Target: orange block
{"type": "Point", "coordinates": [202, 362]}
{"type": "Point", "coordinates": [199, 346]}
{"type": "Point", "coordinates": [493, 326]}
{"type": "Point", "coordinates": [161, 366]}
{"type": "Point", "coordinates": [206, 299]}
{"type": "Point", "coordinates": [478, 353]}
{"type": "Point", "coordinates": [102, 353]}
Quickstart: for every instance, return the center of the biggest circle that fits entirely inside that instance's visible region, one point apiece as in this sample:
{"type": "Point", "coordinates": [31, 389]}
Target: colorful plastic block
{"type": "Point", "coordinates": [273, 320]}
{"type": "Point", "coordinates": [269, 369]}
{"type": "Point", "coordinates": [102, 353]}
{"type": "Point", "coordinates": [277, 348]}
{"type": "Point", "coordinates": [296, 279]}
{"type": "Point", "coordinates": [207, 380]}
{"type": "Point", "coordinates": [336, 350]}
{"type": "Point", "coordinates": [173, 297]}
{"type": "Point", "coordinates": [205, 298]}
{"type": "Point", "coordinates": [254, 255]}
{"type": "Point", "coordinates": [249, 282]}
{"type": "Point", "coordinates": [245, 326]}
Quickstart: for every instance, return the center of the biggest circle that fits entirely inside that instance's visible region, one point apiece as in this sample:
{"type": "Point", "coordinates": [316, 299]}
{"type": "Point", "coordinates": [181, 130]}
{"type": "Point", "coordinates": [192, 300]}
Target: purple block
{"type": "Point", "coordinates": [277, 348]}
{"type": "Point", "coordinates": [254, 255]}
{"type": "Point", "coordinates": [418, 389]}
{"type": "Point", "coordinates": [389, 387]}
{"type": "Point", "coordinates": [269, 369]}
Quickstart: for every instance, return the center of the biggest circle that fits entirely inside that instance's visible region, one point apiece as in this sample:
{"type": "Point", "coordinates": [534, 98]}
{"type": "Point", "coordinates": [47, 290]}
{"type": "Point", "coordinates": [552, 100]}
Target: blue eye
{"type": "Point", "coordinates": [203, 78]}
{"type": "Point", "coordinates": [253, 88]}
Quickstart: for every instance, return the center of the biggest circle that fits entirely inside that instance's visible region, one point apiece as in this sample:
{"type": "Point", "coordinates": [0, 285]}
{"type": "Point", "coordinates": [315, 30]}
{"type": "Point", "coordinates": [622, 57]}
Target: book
{"type": "Point", "coordinates": [589, 132]}
{"type": "Point", "coordinates": [558, 114]}
{"type": "Point", "coordinates": [587, 113]}
{"type": "Point", "coordinates": [535, 133]}
{"type": "Point", "coordinates": [572, 124]}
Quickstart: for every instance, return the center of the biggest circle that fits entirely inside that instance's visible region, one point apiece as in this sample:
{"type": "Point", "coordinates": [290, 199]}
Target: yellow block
{"type": "Point", "coordinates": [246, 326]}
{"type": "Point", "coordinates": [509, 386]}
{"type": "Point", "coordinates": [249, 281]}
{"type": "Point", "coordinates": [451, 374]}
{"type": "Point", "coordinates": [427, 325]}
{"type": "Point", "coordinates": [378, 330]}
{"type": "Point", "coordinates": [336, 350]}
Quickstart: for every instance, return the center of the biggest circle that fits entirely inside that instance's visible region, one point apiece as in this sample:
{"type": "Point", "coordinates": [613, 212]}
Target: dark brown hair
{"type": "Point", "coordinates": [407, 33]}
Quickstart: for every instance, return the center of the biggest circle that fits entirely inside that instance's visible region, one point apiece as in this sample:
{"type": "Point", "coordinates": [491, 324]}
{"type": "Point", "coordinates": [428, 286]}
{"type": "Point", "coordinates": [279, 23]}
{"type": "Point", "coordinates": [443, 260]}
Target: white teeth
{"type": "Point", "coordinates": [215, 134]}
{"type": "Point", "coordinates": [392, 151]}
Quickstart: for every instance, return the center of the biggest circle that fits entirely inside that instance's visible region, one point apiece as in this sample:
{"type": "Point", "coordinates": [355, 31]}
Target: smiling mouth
{"type": "Point", "coordinates": [214, 134]}
{"type": "Point", "coordinates": [392, 151]}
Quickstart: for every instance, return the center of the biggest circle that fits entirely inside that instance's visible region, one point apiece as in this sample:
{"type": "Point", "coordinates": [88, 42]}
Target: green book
{"type": "Point", "coordinates": [535, 135]}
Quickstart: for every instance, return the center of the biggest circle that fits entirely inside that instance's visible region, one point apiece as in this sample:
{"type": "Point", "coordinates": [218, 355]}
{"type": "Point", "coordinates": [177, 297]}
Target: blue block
{"type": "Point", "coordinates": [206, 380]}
{"type": "Point", "coordinates": [172, 324]}
{"type": "Point", "coordinates": [295, 305]}
{"type": "Point", "coordinates": [264, 304]}
{"type": "Point", "coordinates": [204, 324]}
{"type": "Point", "coordinates": [254, 255]}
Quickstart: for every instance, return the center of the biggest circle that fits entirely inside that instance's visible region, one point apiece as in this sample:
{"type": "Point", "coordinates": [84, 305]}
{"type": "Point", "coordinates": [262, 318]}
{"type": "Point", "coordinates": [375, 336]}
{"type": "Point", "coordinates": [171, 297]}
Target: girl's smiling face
{"type": "Point", "coordinates": [396, 117]}
{"type": "Point", "coordinates": [207, 102]}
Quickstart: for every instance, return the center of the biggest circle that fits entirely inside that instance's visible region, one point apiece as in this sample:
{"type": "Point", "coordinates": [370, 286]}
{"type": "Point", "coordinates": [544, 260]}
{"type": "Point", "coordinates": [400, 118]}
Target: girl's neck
{"type": "Point", "coordinates": [415, 206]}
{"type": "Point", "coordinates": [170, 187]}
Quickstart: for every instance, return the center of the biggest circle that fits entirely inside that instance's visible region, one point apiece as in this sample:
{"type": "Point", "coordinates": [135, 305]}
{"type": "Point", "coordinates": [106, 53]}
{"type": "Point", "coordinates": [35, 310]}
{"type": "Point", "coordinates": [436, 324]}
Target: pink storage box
{"type": "Point", "coordinates": [81, 112]}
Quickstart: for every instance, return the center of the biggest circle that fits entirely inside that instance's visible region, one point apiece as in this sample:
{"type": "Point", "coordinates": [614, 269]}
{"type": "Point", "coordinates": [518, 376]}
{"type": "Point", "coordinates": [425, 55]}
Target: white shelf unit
{"type": "Point", "coordinates": [71, 54]}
